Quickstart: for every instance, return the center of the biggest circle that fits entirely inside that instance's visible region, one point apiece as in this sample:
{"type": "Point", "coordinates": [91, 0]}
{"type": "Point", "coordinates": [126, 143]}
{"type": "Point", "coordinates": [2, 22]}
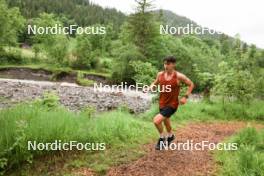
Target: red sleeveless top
{"type": "Point", "coordinates": [169, 98]}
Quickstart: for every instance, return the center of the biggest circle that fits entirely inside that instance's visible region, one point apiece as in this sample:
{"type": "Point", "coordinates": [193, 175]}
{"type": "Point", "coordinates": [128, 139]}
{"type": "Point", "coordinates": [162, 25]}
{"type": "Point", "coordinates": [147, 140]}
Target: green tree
{"type": "Point", "coordinates": [204, 82]}
{"type": "Point", "coordinates": [122, 70]}
{"type": "Point", "coordinates": [55, 45]}
{"type": "Point", "coordinates": [234, 84]}
{"type": "Point", "coordinates": [237, 46]}
{"type": "Point", "coordinates": [145, 72]}
{"type": "Point", "coordinates": [12, 24]}
{"type": "Point", "coordinates": [102, 42]}
{"type": "Point", "coordinates": [83, 53]}
{"type": "Point", "coordinates": [226, 45]}
{"type": "Point", "coordinates": [142, 27]}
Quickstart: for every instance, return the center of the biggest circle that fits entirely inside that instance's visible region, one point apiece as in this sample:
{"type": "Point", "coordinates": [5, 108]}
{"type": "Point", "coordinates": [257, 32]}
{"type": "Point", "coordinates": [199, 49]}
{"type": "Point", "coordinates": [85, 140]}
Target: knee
{"type": "Point", "coordinates": [157, 121]}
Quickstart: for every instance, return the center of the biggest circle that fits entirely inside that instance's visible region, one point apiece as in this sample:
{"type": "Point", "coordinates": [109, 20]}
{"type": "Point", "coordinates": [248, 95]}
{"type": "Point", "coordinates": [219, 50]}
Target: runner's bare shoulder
{"type": "Point", "coordinates": [158, 77]}
{"type": "Point", "coordinates": [159, 73]}
{"type": "Point", "coordinates": [180, 76]}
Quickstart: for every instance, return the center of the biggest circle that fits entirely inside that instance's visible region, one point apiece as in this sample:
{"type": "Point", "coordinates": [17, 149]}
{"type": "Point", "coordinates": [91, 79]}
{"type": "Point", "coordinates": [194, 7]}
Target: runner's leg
{"type": "Point", "coordinates": [167, 124]}
{"type": "Point", "coordinates": [158, 123]}
{"type": "Point", "coordinates": [170, 136]}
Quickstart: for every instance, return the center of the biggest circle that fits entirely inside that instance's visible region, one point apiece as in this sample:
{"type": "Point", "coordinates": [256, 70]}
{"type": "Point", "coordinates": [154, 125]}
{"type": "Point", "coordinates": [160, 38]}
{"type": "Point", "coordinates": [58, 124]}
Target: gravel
{"type": "Point", "coordinates": [71, 95]}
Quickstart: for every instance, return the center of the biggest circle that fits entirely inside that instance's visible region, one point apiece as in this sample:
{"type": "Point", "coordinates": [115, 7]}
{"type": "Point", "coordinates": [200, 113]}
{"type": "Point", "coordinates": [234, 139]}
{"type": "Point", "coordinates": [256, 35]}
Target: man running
{"type": "Point", "coordinates": [168, 100]}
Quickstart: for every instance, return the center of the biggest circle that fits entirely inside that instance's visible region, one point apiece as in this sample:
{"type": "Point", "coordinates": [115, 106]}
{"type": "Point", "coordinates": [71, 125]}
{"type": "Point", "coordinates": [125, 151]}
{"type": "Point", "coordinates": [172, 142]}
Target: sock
{"type": "Point", "coordinates": [170, 134]}
{"type": "Point", "coordinates": [162, 135]}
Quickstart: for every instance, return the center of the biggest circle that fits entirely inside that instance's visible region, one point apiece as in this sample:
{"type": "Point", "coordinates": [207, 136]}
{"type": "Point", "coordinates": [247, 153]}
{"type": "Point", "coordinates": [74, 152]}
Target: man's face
{"type": "Point", "coordinates": [169, 65]}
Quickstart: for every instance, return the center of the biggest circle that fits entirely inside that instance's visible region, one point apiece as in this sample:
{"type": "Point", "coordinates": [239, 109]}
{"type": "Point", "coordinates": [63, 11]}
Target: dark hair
{"type": "Point", "coordinates": [170, 59]}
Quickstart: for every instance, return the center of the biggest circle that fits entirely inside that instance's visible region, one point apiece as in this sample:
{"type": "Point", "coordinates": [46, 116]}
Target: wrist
{"type": "Point", "coordinates": [186, 96]}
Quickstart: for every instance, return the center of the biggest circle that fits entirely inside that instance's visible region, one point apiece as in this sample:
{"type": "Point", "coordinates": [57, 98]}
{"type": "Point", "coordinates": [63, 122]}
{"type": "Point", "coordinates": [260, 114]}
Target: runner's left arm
{"type": "Point", "coordinates": [188, 82]}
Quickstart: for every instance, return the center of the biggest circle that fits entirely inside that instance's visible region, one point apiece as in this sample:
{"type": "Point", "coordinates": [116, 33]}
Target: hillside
{"type": "Point", "coordinates": [83, 12]}
{"type": "Point", "coordinates": [172, 19]}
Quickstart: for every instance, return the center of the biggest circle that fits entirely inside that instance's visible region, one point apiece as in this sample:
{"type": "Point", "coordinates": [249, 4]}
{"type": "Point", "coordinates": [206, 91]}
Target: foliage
{"type": "Point", "coordinates": [12, 56]}
{"type": "Point", "coordinates": [197, 57]}
{"type": "Point", "coordinates": [231, 83]}
{"type": "Point", "coordinates": [11, 24]}
{"type": "Point", "coordinates": [54, 45]}
{"type": "Point", "coordinates": [83, 53]}
{"type": "Point", "coordinates": [141, 28]}
{"type": "Point", "coordinates": [249, 158]}
{"type": "Point", "coordinates": [50, 100]}
{"type": "Point", "coordinates": [214, 110]}
{"type": "Point", "coordinates": [81, 80]}
{"type": "Point", "coordinates": [145, 73]}
{"type": "Point", "coordinates": [123, 71]}
{"type": "Point", "coordinates": [83, 12]}
{"type": "Point", "coordinates": [102, 42]}
{"type": "Point", "coordinates": [34, 122]}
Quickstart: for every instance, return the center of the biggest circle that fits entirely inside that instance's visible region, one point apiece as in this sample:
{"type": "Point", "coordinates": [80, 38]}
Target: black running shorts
{"type": "Point", "coordinates": [167, 111]}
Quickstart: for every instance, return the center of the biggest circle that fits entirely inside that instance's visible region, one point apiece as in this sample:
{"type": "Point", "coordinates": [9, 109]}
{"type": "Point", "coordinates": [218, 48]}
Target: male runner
{"type": "Point", "coordinates": [168, 100]}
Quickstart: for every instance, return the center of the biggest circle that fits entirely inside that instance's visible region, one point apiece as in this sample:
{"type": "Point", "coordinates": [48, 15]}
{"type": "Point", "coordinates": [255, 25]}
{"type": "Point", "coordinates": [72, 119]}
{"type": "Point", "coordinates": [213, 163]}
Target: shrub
{"type": "Point", "coordinates": [11, 56]}
{"type": "Point", "coordinates": [122, 70]}
{"type": "Point", "coordinates": [248, 159]}
{"type": "Point", "coordinates": [145, 73]}
{"type": "Point", "coordinates": [83, 53]}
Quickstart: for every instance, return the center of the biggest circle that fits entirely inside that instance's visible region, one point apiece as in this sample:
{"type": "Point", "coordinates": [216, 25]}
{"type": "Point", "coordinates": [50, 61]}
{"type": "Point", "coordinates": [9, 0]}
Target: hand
{"type": "Point", "coordinates": [183, 100]}
{"type": "Point", "coordinates": [145, 90]}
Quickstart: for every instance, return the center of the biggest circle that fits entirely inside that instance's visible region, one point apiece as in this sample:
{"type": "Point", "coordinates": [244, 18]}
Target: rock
{"type": "Point", "coordinates": [73, 97]}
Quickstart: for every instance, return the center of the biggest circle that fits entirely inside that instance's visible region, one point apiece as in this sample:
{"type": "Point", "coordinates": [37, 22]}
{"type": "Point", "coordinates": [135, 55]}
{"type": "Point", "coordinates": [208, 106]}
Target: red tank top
{"type": "Point", "coordinates": [169, 98]}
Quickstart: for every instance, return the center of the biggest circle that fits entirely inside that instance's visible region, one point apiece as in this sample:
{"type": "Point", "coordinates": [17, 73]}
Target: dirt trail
{"type": "Point", "coordinates": [181, 162]}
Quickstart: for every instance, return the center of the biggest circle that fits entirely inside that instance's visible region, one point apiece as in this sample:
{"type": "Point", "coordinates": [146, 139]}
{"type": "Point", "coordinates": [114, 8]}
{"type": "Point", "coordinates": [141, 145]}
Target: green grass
{"type": "Point", "coordinates": [54, 68]}
{"type": "Point", "coordinates": [123, 133]}
{"type": "Point", "coordinates": [204, 111]}
{"type": "Point", "coordinates": [29, 122]}
{"type": "Point", "coordinates": [27, 55]}
{"type": "Point", "coordinates": [44, 66]}
{"type": "Point", "coordinates": [209, 111]}
{"type": "Point", "coordinates": [248, 160]}
{"type": "Point", "coordinates": [58, 70]}
{"type": "Point", "coordinates": [28, 61]}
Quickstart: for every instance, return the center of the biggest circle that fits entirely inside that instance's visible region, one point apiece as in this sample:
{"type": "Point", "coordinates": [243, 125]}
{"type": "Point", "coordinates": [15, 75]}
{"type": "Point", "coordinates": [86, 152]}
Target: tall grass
{"type": "Point", "coordinates": [233, 110]}
{"type": "Point", "coordinates": [36, 122]}
{"type": "Point", "coordinates": [248, 160]}
{"type": "Point", "coordinates": [203, 111]}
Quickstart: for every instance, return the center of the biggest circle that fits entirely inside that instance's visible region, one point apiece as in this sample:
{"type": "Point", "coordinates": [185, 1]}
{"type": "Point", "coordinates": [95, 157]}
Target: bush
{"type": "Point", "coordinates": [50, 100]}
{"type": "Point", "coordinates": [81, 80]}
{"type": "Point", "coordinates": [234, 83]}
{"type": "Point", "coordinates": [56, 46]}
{"type": "Point", "coordinates": [12, 56]}
{"type": "Point", "coordinates": [145, 73]}
{"type": "Point", "coordinates": [248, 159]}
{"type": "Point", "coordinates": [122, 70]}
{"type": "Point", "coordinates": [83, 53]}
